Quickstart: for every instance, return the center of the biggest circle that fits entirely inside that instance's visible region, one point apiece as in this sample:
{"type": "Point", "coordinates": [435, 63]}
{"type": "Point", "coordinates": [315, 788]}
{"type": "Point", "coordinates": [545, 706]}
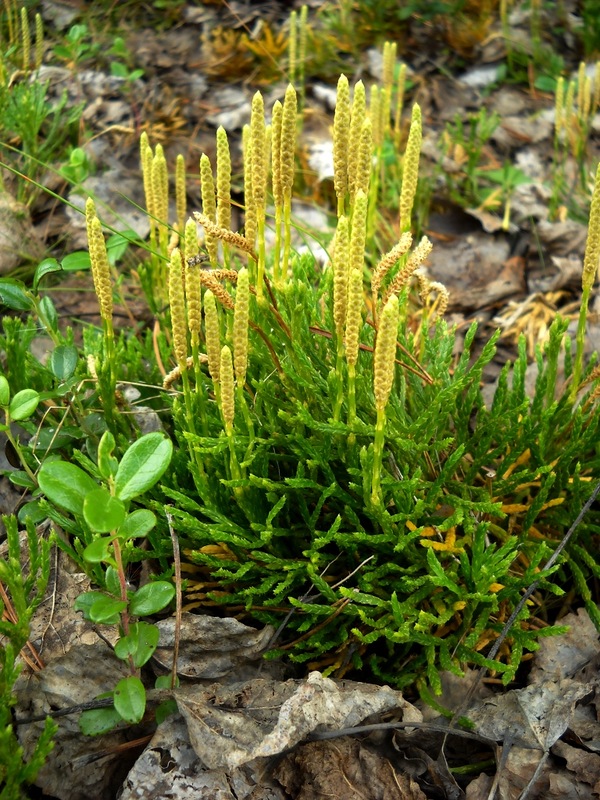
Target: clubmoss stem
{"type": "Point", "coordinates": [383, 379]}
{"type": "Point", "coordinates": [288, 153]}
{"type": "Point", "coordinates": [258, 148]}
{"type": "Point", "coordinates": [590, 268]}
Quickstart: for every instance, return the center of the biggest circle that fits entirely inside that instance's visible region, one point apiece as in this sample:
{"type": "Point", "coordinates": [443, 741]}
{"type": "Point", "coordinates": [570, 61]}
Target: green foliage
{"type": "Point", "coordinates": [40, 131]}
{"type": "Point", "coordinates": [590, 28]}
{"type": "Point", "coordinates": [106, 531]}
{"type": "Point", "coordinates": [76, 46]}
{"type": "Point", "coordinates": [404, 552]}
{"type": "Point", "coordinates": [123, 69]}
{"type": "Point", "coordinates": [464, 141]}
{"type": "Point", "coordinates": [368, 22]}
{"type": "Point", "coordinates": [423, 580]}
{"type": "Point", "coordinates": [25, 588]}
{"type": "Point", "coordinates": [280, 512]}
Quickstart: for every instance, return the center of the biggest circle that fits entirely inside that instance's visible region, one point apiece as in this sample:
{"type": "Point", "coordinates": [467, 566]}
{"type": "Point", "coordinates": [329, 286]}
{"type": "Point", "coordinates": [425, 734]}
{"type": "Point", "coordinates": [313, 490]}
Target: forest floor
{"type": "Point", "coordinates": [245, 730]}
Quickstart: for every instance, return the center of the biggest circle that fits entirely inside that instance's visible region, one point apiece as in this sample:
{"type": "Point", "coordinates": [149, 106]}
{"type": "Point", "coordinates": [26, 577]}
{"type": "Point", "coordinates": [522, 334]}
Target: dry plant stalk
{"type": "Point", "coordinates": [387, 262]}
{"type": "Point", "coordinates": [177, 372]}
{"type": "Point", "coordinates": [235, 239]}
{"type": "Point", "coordinates": [414, 261]}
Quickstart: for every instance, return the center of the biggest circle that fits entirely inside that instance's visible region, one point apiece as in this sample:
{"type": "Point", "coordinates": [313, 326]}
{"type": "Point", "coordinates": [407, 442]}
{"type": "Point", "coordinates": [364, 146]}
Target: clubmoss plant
{"type": "Point", "coordinates": [410, 170]}
{"type": "Point", "coordinates": [357, 120]}
{"type": "Point", "coordinates": [287, 154]}
{"type": "Point", "coordinates": [180, 195]}
{"type": "Point", "coordinates": [341, 133]}
{"type": "Point", "coordinates": [159, 187]}
{"type": "Point", "coordinates": [258, 160]}
{"type": "Point", "coordinates": [209, 206]}
{"type": "Point", "coordinates": [576, 103]}
{"type": "Point", "coordinates": [297, 50]}
{"type": "Point", "coordinates": [364, 452]}
{"type": "Point", "coordinates": [22, 593]}
{"type": "Point", "coordinates": [103, 286]}
{"type": "Point", "coordinates": [384, 362]}
{"type": "Point", "coordinates": [367, 501]}
{"type": "Point", "coordinates": [35, 130]}
{"type": "Point", "coordinates": [276, 182]}
{"type": "Point", "coordinates": [590, 270]}
{"type": "Point", "coordinates": [399, 105]}
{"type": "Point", "coordinates": [223, 186]}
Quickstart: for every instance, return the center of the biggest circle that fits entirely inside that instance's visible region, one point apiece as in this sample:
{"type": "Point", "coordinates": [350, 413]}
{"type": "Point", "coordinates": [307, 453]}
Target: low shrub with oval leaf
{"type": "Point", "coordinates": [105, 529]}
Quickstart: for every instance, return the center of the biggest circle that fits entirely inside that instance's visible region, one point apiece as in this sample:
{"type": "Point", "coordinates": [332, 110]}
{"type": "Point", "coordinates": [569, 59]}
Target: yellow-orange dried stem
{"type": "Point", "coordinates": [235, 239]}
{"type": "Point", "coordinates": [388, 261]}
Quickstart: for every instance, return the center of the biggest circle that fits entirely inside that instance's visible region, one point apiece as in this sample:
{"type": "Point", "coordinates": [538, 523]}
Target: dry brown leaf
{"type": "Point", "coordinates": [231, 725]}
{"type": "Point", "coordinates": [343, 770]}
{"type": "Point", "coordinates": [210, 647]}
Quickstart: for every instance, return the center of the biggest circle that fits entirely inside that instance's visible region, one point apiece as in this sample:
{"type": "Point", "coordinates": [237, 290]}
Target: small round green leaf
{"type": "Point", "coordinates": [66, 485]}
{"type": "Point", "coordinates": [107, 463]}
{"type": "Point", "coordinates": [165, 709]}
{"type": "Point", "coordinates": [23, 404]}
{"type": "Point", "coordinates": [76, 261]}
{"type": "Point", "coordinates": [96, 721]}
{"type": "Point", "coordinates": [164, 682]}
{"type": "Point", "coordinates": [32, 511]}
{"type": "Point", "coordinates": [14, 295]}
{"type": "Point", "coordinates": [130, 699]}
{"type": "Point", "coordinates": [53, 438]}
{"type": "Point", "coordinates": [107, 610]}
{"type": "Point", "coordinates": [45, 267]}
{"type": "Point", "coordinates": [125, 647]}
{"type": "Point", "coordinates": [151, 598]}
{"type": "Point", "coordinates": [118, 70]}
{"type": "Point", "coordinates": [85, 601]}
{"type": "Point", "coordinates": [20, 478]}
{"type": "Point", "coordinates": [143, 465]}
{"type": "Point", "coordinates": [48, 314]}
{"type": "Point", "coordinates": [138, 523]}
{"type": "Point", "coordinates": [112, 582]}
{"type": "Point", "coordinates": [102, 511]}
{"type": "Point", "coordinates": [4, 392]}
{"type": "Point", "coordinates": [99, 607]}
{"type": "Point", "coordinates": [140, 643]}
{"type": "Point", "coordinates": [63, 361]}
{"type": "Point", "coordinates": [98, 550]}
{"type": "Point", "coordinates": [117, 244]}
